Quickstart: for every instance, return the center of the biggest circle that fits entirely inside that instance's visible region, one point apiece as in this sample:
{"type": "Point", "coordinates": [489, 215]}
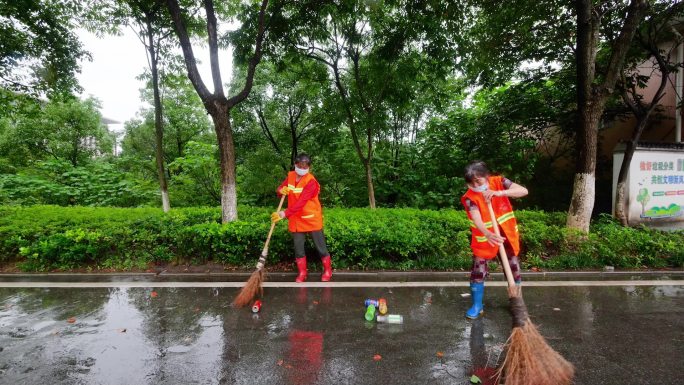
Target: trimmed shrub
{"type": "Point", "coordinates": [51, 237]}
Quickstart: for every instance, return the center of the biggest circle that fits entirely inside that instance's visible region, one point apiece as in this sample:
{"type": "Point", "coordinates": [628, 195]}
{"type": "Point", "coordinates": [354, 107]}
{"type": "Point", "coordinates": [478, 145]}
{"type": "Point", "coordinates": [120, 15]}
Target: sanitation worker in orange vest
{"type": "Point", "coordinates": [304, 215]}
{"type": "Point", "coordinates": [484, 187]}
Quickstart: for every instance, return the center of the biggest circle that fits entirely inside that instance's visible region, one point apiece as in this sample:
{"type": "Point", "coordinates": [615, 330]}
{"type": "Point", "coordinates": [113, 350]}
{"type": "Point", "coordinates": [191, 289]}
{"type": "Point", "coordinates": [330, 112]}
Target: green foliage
{"type": "Point", "coordinates": [40, 50]}
{"type": "Point", "coordinates": [185, 120]}
{"type": "Point", "coordinates": [66, 129]}
{"type": "Point", "coordinates": [196, 176]}
{"type": "Point", "coordinates": [98, 183]}
{"type": "Point", "coordinates": [49, 237]}
{"type": "Point", "coordinates": [548, 244]}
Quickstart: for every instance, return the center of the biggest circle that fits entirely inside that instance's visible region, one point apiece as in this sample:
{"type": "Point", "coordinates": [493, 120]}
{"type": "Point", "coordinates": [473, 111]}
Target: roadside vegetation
{"type": "Point", "coordinates": [46, 238]}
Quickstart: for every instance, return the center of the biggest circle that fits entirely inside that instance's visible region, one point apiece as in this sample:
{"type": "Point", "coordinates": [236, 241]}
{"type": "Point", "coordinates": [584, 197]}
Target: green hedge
{"type": "Point", "coordinates": [50, 237]}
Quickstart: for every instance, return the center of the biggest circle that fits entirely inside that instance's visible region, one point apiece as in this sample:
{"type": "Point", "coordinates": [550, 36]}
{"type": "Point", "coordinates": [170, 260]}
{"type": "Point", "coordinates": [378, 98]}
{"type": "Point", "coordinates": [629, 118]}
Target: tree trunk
{"type": "Point", "coordinates": [583, 191]}
{"type": "Point", "coordinates": [352, 123]}
{"type": "Point", "coordinates": [621, 203]}
{"type": "Point", "coordinates": [369, 182]}
{"type": "Point", "coordinates": [591, 99]}
{"type": "Point", "coordinates": [216, 103]}
{"type": "Point", "coordinates": [158, 121]}
{"type": "Point", "coordinates": [584, 187]}
{"type": "Point", "coordinates": [621, 206]}
{"type": "Point", "coordinates": [224, 132]}
{"type": "Point", "coordinates": [294, 148]}
{"type": "Point", "coordinates": [642, 113]}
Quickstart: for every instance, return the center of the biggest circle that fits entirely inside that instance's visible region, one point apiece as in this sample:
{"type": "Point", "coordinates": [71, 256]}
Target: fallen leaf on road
{"type": "Point", "coordinates": [440, 354]}
{"type": "Point", "coordinates": [377, 357]}
{"type": "Point", "coordinates": [154, 294]}
{"type": "Point", "coordinates": [71, 320]}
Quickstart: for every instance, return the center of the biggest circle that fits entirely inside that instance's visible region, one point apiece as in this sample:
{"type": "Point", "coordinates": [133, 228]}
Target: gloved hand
{"type": "Point", "coordinates": [275, 217]}
{"type": "Point", "coordinates": [493, 239]}
{"type": "Point", "coordinates": [284, 191]}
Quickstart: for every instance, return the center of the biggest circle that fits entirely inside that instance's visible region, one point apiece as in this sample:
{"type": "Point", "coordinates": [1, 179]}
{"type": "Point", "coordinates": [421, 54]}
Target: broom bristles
{"type": "Point", "coordinates": [530, 360]}
{"type": "Point", "coordinates": [251, 289]}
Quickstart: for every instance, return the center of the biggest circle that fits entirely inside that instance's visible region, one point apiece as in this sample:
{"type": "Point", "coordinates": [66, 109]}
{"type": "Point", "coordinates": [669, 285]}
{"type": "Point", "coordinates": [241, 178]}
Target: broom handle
{"type": "Point", "coordinates": [264, 252]}
{"type": "Point", "coordinates": [502, 250]}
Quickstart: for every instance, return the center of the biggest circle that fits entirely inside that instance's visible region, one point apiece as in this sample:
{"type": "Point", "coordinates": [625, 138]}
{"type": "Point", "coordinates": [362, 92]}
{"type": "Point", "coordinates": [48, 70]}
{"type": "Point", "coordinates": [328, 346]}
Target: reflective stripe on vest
{"type": "Point", "coordinates": [295, 189]}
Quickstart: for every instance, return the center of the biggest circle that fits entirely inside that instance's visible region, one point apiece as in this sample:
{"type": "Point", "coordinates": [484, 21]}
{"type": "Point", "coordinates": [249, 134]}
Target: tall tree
{"type": "Point", "coordinates": [595, 84]}
{"type": "Point", "coordinates": [185, 120]}
{"type": "Point", "coordinates": [286, 104]}
{"type": "Point", "coordinates": [216, 103]}
{"type": "Point", "coordinates": [656, 29]}
{"type": "Point", "coordinates": [593, 42]}
{"type": "Point", "coordinates": [365, 44]}
{"type": "Point", "coordinates": [152, 28]}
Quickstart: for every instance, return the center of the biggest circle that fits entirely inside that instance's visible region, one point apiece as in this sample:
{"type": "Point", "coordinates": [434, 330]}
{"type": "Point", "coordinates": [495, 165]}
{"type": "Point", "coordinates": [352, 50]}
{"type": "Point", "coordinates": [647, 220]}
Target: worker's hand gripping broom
{"type": "Point", "coordinates": [253, 285]}
{"type": "Point", "coordinates": [529, 358]}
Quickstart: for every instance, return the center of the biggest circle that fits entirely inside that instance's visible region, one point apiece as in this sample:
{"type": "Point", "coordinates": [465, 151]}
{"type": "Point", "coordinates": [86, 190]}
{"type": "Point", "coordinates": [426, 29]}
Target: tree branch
{"type": "Point", "coordinates": [190, 62]}
{"type": "Point", "coordinates": [635, 13]}
{"type": "Point", "coordinates": [253, 61]}
{"type": "Point", "coordinates": [266, 130]}
{"type": "Point", "coordinates": [213, 48]}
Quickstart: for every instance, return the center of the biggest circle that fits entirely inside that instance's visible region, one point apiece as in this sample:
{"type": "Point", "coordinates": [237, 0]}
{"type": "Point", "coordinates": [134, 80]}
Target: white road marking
{"type": "Point", "coordinates": [131, 284]}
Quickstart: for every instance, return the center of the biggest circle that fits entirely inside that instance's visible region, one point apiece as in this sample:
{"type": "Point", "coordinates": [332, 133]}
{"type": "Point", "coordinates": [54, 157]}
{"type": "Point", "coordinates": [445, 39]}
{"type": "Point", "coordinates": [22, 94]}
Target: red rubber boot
{"type": "Point", "coordinates": [301, 266]}
{"type": "Point", "coordinates": [327, 269]}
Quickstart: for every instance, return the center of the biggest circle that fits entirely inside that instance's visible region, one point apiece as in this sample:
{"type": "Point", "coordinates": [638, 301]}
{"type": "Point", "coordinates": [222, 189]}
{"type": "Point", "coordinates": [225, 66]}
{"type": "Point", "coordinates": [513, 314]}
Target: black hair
{"type": "Point", "coordinates": [303, 158]}
{"type": "Point", "coordinates": [476, 169]}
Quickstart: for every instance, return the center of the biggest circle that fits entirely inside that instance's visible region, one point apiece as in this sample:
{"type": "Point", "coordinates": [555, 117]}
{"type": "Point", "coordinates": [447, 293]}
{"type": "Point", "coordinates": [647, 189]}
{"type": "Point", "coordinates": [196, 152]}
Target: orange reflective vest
{"type": "Point", "coordinates": [311, 216]}
{"type": "Point", "coordinates": [504, 217]}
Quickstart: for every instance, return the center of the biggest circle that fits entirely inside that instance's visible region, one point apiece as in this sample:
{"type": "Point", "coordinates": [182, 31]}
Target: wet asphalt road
{"type": "Point", "coordinates": [317, 335]}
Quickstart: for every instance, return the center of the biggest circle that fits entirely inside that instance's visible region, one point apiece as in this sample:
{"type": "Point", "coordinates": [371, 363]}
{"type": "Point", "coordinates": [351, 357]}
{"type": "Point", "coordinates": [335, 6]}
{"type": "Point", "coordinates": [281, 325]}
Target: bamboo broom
{"type": "Point", "coordinates": [529, 358]}
{"type": "Point", "coordinates": [253, 285]}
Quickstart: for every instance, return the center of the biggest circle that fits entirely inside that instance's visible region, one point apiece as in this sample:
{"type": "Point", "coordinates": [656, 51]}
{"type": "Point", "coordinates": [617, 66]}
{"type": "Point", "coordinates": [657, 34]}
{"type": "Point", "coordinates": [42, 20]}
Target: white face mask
{"type": "Point", "coordinates": [481, 188]}
{"type": "Point", "coordinates": [301, 171]}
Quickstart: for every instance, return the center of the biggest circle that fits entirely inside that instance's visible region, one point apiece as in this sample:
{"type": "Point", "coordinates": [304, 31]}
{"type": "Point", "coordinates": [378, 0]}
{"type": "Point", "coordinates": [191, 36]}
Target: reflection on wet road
{"type": "Point", "coordinates": [318, 335]}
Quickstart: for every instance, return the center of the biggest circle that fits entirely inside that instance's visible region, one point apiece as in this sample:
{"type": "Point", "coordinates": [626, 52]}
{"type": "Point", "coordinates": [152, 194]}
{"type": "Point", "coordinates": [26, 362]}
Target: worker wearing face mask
{"type": "Point", "coordinates": [483, 188]}
{"type": "Point", "coordinates": [304, 215]}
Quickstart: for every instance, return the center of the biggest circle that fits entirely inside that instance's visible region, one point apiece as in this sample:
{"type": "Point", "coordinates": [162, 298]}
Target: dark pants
{"type": "Point", "coordinates": [318, 239]}
{"type": "Point", "coordinates": [480, 269]}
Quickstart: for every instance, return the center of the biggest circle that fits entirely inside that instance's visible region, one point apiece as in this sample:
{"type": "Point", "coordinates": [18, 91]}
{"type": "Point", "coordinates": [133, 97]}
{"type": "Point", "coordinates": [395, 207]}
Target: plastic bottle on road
{"type": "Point", "coordinates": [391, 319]}
{"type": "Point", "coordinates": [382, 306]}
{"type": "Point", "coordinates": [369, 301]}
{"type": "Point", "coordinates": [370, 312]}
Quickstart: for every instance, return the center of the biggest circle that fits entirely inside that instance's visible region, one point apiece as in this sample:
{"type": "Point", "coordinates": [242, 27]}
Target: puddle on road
{"type": "Point", "coordinates": [301, 335]}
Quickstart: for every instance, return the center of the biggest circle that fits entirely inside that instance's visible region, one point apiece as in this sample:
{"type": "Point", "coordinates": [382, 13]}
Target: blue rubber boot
{"type": "Point", "coordinates": [477, 293]}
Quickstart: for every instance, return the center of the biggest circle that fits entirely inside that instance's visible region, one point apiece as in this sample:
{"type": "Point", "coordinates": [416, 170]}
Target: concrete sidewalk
{"type": "Point", "coordinates": [345, 276]}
